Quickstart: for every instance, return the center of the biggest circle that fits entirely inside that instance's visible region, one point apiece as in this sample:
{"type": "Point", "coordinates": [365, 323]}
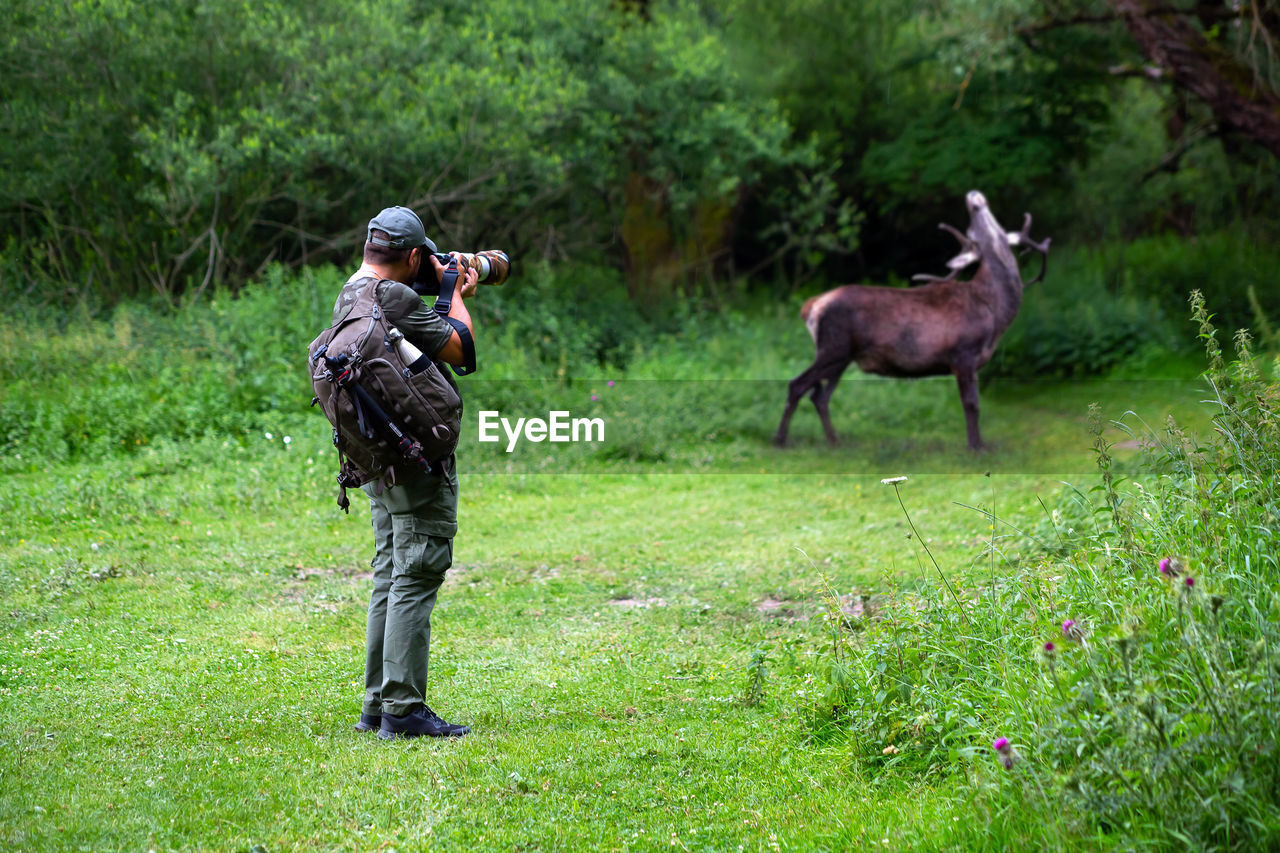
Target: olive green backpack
{"type": "Point", "coordinates": [391, 407]}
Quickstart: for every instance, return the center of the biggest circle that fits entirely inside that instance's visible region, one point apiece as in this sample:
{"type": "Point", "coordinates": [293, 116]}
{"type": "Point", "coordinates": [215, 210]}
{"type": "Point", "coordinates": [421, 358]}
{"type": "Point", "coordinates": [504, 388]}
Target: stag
{"type": "Point", "coordinates": [945, 326]}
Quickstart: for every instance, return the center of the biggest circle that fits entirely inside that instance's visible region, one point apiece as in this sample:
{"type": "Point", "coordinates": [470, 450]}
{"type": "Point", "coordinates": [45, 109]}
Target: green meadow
{"type": "Point", "coordinates": [680, 636]}
{"type": "Point", "coordinates": [674, 635]}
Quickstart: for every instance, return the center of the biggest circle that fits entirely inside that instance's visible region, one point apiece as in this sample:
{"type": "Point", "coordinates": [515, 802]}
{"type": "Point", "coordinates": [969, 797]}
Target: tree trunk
{"type": "Point", "coordinates": [1227, 85]}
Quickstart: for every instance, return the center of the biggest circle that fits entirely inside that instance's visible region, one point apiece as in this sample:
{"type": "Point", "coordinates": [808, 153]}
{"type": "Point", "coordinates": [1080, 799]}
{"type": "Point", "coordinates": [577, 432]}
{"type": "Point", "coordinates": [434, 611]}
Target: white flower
{"type": "Point", "coordinates": [893, 481]}
{"type": "Point", "coordinates": [268, 435]}
{"type": "Point", "coordinates": [287, 439]}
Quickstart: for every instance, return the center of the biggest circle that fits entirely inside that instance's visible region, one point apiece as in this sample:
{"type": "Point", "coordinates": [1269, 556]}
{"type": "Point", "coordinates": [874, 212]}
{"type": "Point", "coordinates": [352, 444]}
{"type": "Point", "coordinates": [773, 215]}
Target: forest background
{"type": "Point", "coordinates": [183, 184]}
{"type": "Point", "coordinates": [682, 149]}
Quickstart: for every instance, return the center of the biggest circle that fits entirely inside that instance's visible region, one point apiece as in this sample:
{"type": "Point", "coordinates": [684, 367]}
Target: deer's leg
{"type": "Point", "coordinates": [797, 389]}
{"type": "Point", "coordinates": [967, 380]}
{"type": "Point", "coordinates": [821, 398]}
{"type": "Point", "coordinates": [804, 383]}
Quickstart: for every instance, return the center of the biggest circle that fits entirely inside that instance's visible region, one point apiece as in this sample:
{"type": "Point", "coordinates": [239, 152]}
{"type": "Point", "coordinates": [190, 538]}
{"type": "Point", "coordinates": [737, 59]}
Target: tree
{"type": "Point", "coordinates": [1223, 54]}
{"type": "Point", "coordinates": [171, 146]}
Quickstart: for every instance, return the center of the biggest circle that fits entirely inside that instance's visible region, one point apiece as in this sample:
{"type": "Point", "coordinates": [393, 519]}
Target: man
{"type": "Point", "coordinates": [414, 521]}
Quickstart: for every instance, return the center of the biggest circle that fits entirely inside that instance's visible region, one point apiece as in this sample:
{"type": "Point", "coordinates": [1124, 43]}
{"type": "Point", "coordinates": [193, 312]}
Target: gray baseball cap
{"type": "Point", "coordinates": [404, 230]}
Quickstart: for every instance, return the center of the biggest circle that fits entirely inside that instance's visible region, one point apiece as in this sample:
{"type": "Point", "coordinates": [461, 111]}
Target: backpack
{"type": "Point", "coordinates": [388, 412]}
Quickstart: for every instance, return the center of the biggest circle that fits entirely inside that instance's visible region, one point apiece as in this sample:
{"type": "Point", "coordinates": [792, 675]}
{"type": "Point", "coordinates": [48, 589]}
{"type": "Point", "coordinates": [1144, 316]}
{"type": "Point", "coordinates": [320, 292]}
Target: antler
{"type": "Point", "coordinates": [965, 242]}
{"type": "Point", "coordinates": [1022, 239]}
{"type": "Point", "coordinates": [969, 255]}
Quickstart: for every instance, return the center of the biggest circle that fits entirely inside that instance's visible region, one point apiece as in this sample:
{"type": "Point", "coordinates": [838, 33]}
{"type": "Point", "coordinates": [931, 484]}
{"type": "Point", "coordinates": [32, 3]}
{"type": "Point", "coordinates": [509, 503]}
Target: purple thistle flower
{"type": "Point", "coordinates": [1049, 649]}
{"type": "Point", "coordinates": [1164, 566]}
{"type": "Point", "coordinates": [594, 398]}
{"type": "Point", "coordinates": [1190, 582]}
{"type": "Point", "coordinates": [610, 383]}
{"type": "Point", "coordinates": [1073, 631]}
{"type": "Point", "coordinates": [1005, 749]}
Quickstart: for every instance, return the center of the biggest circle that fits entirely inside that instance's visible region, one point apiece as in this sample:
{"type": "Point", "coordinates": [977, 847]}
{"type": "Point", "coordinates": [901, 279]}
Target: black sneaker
{"type": "Point", "coordinates": [369, 723]}
{"type": "Point", "coordinates": [422, 722]}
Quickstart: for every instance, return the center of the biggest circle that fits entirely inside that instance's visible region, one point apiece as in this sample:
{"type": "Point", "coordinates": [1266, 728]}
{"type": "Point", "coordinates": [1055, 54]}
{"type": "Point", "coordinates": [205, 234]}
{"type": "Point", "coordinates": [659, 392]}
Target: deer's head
{"type": "Point", "coordinates": [987, 243]}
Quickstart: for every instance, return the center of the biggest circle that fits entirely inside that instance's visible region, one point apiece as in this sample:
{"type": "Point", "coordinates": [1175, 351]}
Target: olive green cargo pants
{"type": "Point", "coordinates": [413, 527]}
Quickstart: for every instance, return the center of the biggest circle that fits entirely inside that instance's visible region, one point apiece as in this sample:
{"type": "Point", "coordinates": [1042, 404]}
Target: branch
{"type": "Point", "coordinates": [1203, 69]}
{"type": "Point", "coordinates": [1203, 12]}
{"type": "Point", "coordinates": [1172, 160]}
{"type": "Point", "coordinates": [1149, 72]}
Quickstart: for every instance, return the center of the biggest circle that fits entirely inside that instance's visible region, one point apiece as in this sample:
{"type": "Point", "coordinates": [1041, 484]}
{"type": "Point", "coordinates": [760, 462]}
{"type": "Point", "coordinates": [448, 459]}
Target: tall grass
{"type": "Point", "coordinates": [80, 385]}
{"type": "Point", "coordinates": [1129, 658]}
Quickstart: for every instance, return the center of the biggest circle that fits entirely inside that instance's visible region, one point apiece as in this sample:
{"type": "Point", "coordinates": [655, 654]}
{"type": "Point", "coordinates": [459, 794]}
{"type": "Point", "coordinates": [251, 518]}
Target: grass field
{"type": "Point", "coordinates": [632, 631]}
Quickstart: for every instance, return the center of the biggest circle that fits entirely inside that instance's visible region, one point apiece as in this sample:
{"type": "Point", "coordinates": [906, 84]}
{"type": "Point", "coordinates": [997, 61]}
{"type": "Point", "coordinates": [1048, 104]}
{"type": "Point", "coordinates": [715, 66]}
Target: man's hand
{"type": "Point", "coordinates": [469, 281]}
{"type": "Point", "coordinates": [452, 350]}
{"type": "Point", "coordinates": [470, 277]}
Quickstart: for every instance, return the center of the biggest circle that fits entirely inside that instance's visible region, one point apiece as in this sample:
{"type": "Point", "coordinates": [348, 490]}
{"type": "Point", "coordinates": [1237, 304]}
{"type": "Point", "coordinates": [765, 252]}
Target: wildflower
{"type": "Point", "coordinates": [1073, 631]}
{"type": "Point", "coordinates": [610, 383]}
{"type": "Point", "coordinates": [893, 481]}
{"type": "Point", "coordinates": [1190, 582]}
{"type": "Point", "coordinates": [1165, 566]}
{"type": "Point", "coordinates": [594, 398]}
{"type": "Point", "coordinates": [288, 439]}
{"type": "Point", "coordinates": [1005, 750]}
{"type": "Point", "coordinates": [1049, 649]}
{"type": "Point", "coordinates": [268, 435]}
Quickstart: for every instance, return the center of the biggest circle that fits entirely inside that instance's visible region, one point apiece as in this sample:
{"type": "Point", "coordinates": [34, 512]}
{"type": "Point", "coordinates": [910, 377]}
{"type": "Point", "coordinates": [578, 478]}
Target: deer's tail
{"type": "Point", "coordinates": [807, 308]}
{"type": "Point", "coordinates": [810, 316]}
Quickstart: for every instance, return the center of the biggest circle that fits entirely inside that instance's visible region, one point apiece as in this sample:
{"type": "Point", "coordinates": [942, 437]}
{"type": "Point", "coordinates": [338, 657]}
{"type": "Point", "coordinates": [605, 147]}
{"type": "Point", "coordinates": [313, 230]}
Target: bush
{"type": "Point", "coordinates": [1101, 307]}
{"type": "Point", "coordinates": [1224, 266]}
{"type": "Point", "coordinates": [99, 385]}
{"type": "Point", "coordinates": [1081, 322]}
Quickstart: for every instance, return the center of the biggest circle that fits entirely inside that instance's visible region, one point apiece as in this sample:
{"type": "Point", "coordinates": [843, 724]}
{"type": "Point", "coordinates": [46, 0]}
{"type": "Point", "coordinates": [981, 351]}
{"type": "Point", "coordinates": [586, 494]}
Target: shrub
{"type": "Point", "coordinates": [1223, 266]}
{"type": "Point", "coordinates": [1080, 323]}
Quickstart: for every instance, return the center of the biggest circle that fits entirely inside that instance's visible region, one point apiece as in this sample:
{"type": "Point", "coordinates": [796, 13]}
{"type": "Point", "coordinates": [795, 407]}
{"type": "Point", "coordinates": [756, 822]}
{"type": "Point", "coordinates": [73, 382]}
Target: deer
{"type": "Point", "coordinates": [944, 326]}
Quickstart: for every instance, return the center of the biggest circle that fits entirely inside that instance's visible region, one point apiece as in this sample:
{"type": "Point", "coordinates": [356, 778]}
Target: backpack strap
{"type": "Point", "coordinates": [443, 302]}
{"type": "Point", "coordinates": [344, 503]}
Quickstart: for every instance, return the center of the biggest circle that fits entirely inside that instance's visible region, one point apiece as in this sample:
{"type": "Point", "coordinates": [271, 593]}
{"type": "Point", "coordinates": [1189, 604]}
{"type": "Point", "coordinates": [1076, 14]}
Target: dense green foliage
{"type": "Point", "coordinates": [169, 148]}
{"type": "Point", "coordinates": [185, 144]}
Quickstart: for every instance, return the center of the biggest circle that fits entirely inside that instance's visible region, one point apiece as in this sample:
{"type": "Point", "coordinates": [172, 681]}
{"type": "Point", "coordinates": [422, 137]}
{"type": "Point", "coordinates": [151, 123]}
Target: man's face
{"type": "Point", "coordinates": [412, 264]}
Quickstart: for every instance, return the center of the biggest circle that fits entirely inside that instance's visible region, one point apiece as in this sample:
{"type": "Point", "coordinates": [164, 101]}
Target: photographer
{"type": "Point", "coordinates": [414, 520]}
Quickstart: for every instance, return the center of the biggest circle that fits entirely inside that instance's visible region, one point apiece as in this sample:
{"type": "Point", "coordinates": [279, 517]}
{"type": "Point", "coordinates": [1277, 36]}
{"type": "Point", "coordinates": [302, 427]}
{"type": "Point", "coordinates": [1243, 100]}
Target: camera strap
{"type": "Point", "coordinates": [443, 302]}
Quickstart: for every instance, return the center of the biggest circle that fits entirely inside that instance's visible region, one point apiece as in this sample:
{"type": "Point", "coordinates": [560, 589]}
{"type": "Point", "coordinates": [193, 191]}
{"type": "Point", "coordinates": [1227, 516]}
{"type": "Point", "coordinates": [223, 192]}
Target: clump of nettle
{"type": "Point", "coordinates": [1128, 687]}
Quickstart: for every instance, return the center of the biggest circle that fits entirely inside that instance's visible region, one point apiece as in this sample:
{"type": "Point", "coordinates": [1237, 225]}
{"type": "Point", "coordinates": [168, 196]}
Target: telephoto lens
{"type": "Point", "coordinates": [495, 266]}
{"type": "Point", "coordinates": [492, 265]}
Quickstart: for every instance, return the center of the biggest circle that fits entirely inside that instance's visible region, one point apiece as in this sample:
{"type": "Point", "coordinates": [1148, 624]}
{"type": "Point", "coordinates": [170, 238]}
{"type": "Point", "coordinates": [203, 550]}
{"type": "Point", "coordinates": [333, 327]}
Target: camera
{"type": "Point", "coordinates": [491, 265]}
